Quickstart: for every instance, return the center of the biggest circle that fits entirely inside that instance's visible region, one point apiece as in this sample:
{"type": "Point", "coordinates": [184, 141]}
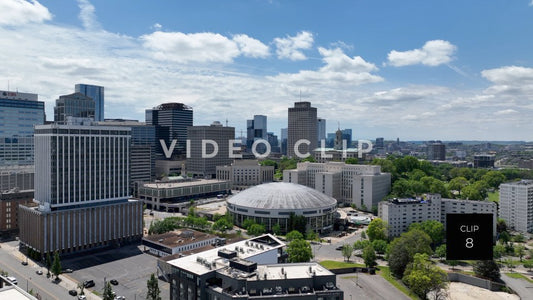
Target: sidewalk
{"type": "Point", "coordinates": [66, 282]}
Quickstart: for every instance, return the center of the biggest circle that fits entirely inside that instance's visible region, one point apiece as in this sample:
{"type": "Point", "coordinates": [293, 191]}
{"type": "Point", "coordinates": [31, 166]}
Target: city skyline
{"type": "Point", "coordinates": [448, 71]}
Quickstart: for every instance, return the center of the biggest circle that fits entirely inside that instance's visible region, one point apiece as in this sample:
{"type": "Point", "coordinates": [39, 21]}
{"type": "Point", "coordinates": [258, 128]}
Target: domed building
{"type": "Point", "coordinates": [273, 203]}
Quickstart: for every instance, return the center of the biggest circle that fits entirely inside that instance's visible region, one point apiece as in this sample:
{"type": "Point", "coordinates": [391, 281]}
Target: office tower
{"type": "Point", "coordinates": [330, 140]}
{"type": "Point", "coordinates": [302, 129]}
{"type": "Point", "coordinates": [82, 190]}
{"type": "Point", "coordinates": [256, 129]}
{"type": "Point", "coordinates": [436, 150]}
{"type": "Point", "coordinates": [321, 130]}
{"type": "Point", "coordinates": [284, 140]}
{"type": "Point", "coordinates": [484, 161]}
{"type": "Point", "coordinates": [347, 135]}
{"type": "Point", "coordinates": [19, 112]}
{"type": "Point", "coordinates": [171, 121]}
{"type": "Point", "coordinates": [274, 142]}
{"type": "Point", "coordinates": [516, 205]}
{"type": "Point", "coordinates": [199, 162]}
{"type": "Point", "coordinates": [380, 144]}
{"type": "Point", "coordinates": [142, 151]}
{"type": "Point", "coordinates": [75, 105]}
{"type": "Point", "coordinates": [97, 94]}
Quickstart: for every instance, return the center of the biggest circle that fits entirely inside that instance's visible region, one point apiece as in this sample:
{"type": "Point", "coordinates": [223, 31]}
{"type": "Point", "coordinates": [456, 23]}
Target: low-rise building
{"type": "Point", "coordinates": [9, 202]}
{"type": "Point", "coordinates": [245, 173]}
{"type": "Point", "coordinates": [178, 241]}
{"type": "Point", "coordinates": [176, 195]}
{"type": "Point", "coordinates": [400, 213]}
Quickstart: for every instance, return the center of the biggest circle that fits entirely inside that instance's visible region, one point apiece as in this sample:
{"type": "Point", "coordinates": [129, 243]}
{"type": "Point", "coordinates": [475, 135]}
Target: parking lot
{"type": "Point", "coordinates": [128, 265]}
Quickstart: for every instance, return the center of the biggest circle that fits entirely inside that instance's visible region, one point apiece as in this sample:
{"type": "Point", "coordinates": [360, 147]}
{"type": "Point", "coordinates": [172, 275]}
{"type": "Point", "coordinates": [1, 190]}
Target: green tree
{"type": "Point", "coordinates": [433, 228]}
{"type": "Point", "coordinates": [351, 161]}
{"type": "Point", "coordinates": [452, 263]}
{"type": "Point", "coordinates": [406, 164]}
{"type": "Point", "coordinates": [493, 178]}
{"type": "Point", "coordinates": [369, 255]}
{"type": "Point", "coordinates": [440, 251]}
{"type": "Point", "coordinates": [476, 191]}
{"type": "Point", "coordinates": [247, 223]}
{"type": "Point", "coordinates": [501, 225]}
{"type": "Point", "coordinates": [299, 251]}
{"type": "Point", "coordinates": [48, 263]}
{"type": "Point", "coordinates": [519, 251]}
{"type": "Point", "coordinates": [276, 229]}
{"type": "Point", "coordinates": [519, 238]}
{"type": "Point", "coordinates": [222, 224]}
{"type": "Point", "coordinates": [462, 172]}
{"type": "Point", "coordinates": [380, 246]}
{"type": "Point", "coordinates": [360, 245]}
{"type": "Point", "coordinates": [297, 222]}
{"type": "Point", "coordinates": [422, 277]}
{"type": "Point", "coordinates": [528, 265]}
{"type": "Point", "coordinates": [487, 269]}
{"type": "Point", "coordinates": [498, 251]}
{"type": "Point", "coordinates": [294, 235]}
{"type": "Point", "coordinates": [269, 162]}
{"type": "Point", "coordinates": [56, 265]}
{"type": "Point", "coordinates": [363, 234]}
{"type": "Point", "coordinates": [457, 184]}
{"type": "Point", "coordinates": [82, 288]}
{"type": "Point", "coordinates": [403, 249]}
{"type": "Point", "coordinates": [504, 237]}
{"type": "Point", "coordinates": [153, 288]}
{"type": "Point", "coordinates": [347, 251]}
{"type": "Point", "coordinates": [256, 229]}
{"type": "Point", "coordinates": [377, 230]}
{"type": "Point", "coordinates": [108, 292]}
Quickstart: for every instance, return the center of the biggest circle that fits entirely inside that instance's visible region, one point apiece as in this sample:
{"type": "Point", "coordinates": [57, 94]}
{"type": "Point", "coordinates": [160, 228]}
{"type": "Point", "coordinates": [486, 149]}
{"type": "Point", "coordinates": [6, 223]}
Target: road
{"type": "Point", "coordinates": [364, 286]}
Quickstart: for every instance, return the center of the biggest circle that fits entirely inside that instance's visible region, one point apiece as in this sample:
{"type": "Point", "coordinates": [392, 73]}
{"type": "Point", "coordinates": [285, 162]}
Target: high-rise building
{"type": "Point", "coordinates": [171, 121]}
{"type": "Point", "coordinates": [75, 105]}
{"type": "Point", "coordinates": [321, 130]}
{"type": "Point", "coordinates": [274, 142]}
{"type": "Point", "coordinates": [142, 151]}
{"type": "Point", "coordinates": [97, 94]}
{"type": "Point", "coordinates": [347, 135]}
{"type": "Point", "coordinates": [484, 161]}
{"type": "Point", "coordinates": [302, 129]}
{"type": "Point", "coordinates": [82, 190]}
{"type": "Point", "coordinates": [199, 162]}
{"type": "Point", "coordinates": [436, 150]}
{"type": "Point", "coordinates": [19, 112]}
{"type": "Point", "coordinates": [516, 205]}
{"type": "Point", "coordinates": [380, 144]}
{"type": "Point", "coordinates": [256, 129]}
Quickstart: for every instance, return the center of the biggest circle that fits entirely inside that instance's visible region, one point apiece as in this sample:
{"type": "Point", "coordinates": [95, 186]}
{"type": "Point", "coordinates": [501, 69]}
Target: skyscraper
{"type": "Point", "coordinates": [19, 112]}
{"type": "Point", "coordinates": [436, 150]}
{"type": "Point", "coordinates": [205, 167]}
{"type": "Point", "coordinates": [97, 94]}
{"type": "Point", "coordinates": [75, 105]}
{"type": "Point", "coordinates": [302, 128]}
{"type": "Point", "coordinates": [171, 121]}
{"type": "Point", "coordinates": [284, 135]}
{"type": "Point", "coordinates": [321, 129]}
{"type": "Point", "coordinates": [256, 129]}
{"type": "Point", "coordinates": [82, 187]}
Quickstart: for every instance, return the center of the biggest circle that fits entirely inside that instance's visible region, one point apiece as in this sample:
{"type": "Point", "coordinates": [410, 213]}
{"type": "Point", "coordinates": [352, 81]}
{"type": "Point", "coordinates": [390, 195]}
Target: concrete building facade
{"type": "Point", "coordinates": [245, 173]}
{"type": "Point", "coordinates": [400, 213]}
{"type": "Point", "coordinates": [516, 205]}
{"type": "Point", "coordinates": [362, 185]}
{"type": "Point", "coordinates": [302, 127]}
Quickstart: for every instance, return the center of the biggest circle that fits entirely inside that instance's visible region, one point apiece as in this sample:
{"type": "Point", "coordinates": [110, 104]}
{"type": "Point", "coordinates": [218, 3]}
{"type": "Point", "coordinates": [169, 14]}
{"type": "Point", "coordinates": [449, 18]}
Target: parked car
{"type": "Point", "coordinates": [113, 282]}
{"type": "Point", "coordinates": [12, 279]}
{"type": "Point", "coordinates": [39, 272]}
{"type": "Point", "coordinates": [88, 283]}
{"type": "Point", "coordinates": [120, 298]}
{"type": "Point", "coordinates": [73, 293]}
{"type": "Point", "coordinates": [82, 297]}
{"type": "Point", "coordinates": [67, 271]}
{"type": "Point", "coordinates": [339, 247]}
{"type": "Point", "coordinates": [24, 263]}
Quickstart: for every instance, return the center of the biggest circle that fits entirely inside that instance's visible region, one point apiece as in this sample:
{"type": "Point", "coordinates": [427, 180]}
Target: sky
{"type": "Point", "coordinates": [417, 70]}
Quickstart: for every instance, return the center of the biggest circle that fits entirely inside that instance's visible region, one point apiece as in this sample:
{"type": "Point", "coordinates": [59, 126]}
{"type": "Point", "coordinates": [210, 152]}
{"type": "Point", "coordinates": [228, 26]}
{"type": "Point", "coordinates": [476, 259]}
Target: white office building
{"type": "Point", "coordinates": [362, 185]}
{"type": "Point", "coordinates": [245, 173]}
{"type": "Point", "coordinates": [516, 205]}
{"type": "Point", "coordinates": [400, 213]}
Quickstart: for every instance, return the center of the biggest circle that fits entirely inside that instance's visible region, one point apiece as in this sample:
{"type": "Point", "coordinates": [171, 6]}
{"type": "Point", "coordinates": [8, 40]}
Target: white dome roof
{"type": "Point", "coordinates": [281, 195]}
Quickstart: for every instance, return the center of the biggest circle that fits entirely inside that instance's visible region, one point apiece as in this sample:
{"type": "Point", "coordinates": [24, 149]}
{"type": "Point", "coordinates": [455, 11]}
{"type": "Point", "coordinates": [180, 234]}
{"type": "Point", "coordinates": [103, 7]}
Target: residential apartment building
{"type": "Point", "coordinates": [245, 173]}
{"type": "Point", "coordinates": [19, 112]}
{"type": "Point", "coordinates": [516, 205]}
{"type": "Point", "coordinates": [362, 185]}
{"type": "Point", "coordinates": [203, 157]}
{"type": "Point", "coordinates": [302, 128]}
{"type": "Point", "coordinates": [82, 190]}
{"type": "Point", "coordinates": [400, 213]}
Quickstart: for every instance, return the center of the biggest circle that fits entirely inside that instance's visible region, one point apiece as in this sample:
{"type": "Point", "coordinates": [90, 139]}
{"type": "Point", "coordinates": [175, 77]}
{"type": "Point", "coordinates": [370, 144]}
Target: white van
{"type": "Point", "coordinates": [12, 279]}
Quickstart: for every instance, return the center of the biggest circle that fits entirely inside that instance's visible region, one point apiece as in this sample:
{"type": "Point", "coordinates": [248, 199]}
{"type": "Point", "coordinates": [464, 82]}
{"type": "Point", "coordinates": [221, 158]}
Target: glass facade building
{"type": "Point", "coordinates": [74, 105]}
{"type": "Point", "coordinates": [97, 94]}
{"type": "Point", "coordinates": [19, 112]}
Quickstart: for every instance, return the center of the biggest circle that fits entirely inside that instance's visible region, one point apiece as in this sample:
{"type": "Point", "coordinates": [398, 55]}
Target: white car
{"type": "Point", "coordinates": [12, 279]}
{"type": "Point", "coordinates": [82, 297]}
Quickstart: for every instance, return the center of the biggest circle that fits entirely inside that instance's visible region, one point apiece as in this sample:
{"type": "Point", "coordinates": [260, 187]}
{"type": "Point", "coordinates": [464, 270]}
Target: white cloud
{"type": "Point", "coordinates": [157, 26]}
{"type": "Point", "coordinates": [505, 112]}
{"type": "Point", "coordinates": [433, 53]}
{"type": "Point", "coordinates": [87, 15]}
{"type": "Point", "coordinates": [512, 75]}
{"type": "Point", "coordinates": [531, 3]}
{"type": "Point", "coordinates": [192, 47]}
{"type": "Point", "coordinates": [251, 47]}
{"type": "Point", "coordinates": [18, 12]}
{"type": "Point", "coordinates": [338, 69]}
{"type": "Point", "coordinates": [290, 46]}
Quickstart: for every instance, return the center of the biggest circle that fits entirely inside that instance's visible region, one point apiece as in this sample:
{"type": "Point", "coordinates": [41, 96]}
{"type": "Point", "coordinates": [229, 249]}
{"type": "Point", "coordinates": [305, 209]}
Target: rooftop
{"type": "Point", "coordinates": [207, 261]}
{"type": "Point", "coordinates": [178, 237]}
{"type": "Point", "coordinates": [171, 185]}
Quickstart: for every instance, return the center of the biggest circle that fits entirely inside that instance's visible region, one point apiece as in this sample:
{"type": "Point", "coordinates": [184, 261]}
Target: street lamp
{"type": "Point", "coordinates": [27, 281]}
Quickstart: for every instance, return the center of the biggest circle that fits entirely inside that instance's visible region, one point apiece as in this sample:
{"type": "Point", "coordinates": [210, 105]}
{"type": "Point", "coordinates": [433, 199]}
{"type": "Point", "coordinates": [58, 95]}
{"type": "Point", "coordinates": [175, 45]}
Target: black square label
{"type": "Point", "coordinates": [469, 236]}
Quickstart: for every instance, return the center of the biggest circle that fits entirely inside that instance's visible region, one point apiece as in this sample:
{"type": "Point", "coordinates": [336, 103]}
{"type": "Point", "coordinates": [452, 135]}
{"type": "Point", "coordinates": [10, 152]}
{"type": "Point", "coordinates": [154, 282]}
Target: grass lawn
{"type": "Point", "coordinates": [518, 276]}
{"type": "Point", "coordinates": [332, 264]}
{"type": "Point", "coordinates": [385, 273]}
{"type": "Point", "coordinates": [494, 196]}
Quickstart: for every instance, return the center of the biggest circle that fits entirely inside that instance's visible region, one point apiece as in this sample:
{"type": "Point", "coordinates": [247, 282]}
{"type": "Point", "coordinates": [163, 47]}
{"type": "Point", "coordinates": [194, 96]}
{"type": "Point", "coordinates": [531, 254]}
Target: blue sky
{"type": "Point", "coordinates": [416, 70]}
